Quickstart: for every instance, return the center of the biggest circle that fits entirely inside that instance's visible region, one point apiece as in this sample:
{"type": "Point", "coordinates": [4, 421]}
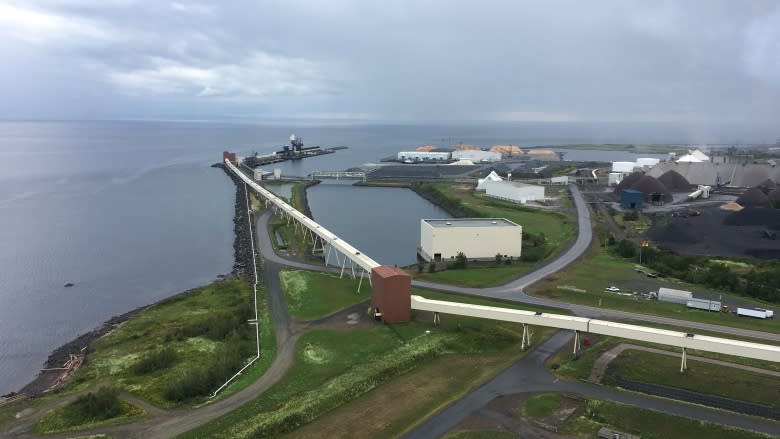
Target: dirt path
{"type": "Point", "coordinates": [601, 363]}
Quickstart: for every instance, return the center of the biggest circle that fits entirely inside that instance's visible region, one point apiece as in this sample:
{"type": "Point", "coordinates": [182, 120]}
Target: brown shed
{"type": "Point", "coordinates": [391, 294]}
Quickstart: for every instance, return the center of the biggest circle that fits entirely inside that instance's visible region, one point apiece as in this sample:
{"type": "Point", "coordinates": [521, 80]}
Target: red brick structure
{"type": "Point", "coordinates": [231, 156]}
{"type": "Point", "coordinates": [391, 294]}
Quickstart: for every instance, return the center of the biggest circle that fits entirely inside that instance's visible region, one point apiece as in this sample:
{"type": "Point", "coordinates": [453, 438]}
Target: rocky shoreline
{"type": "Point", "coordinates": [242, 267]}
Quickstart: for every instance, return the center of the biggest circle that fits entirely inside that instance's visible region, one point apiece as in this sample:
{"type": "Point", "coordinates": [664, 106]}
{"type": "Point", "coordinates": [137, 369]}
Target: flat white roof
{"type": "Point", "coordinates": [471, 222]}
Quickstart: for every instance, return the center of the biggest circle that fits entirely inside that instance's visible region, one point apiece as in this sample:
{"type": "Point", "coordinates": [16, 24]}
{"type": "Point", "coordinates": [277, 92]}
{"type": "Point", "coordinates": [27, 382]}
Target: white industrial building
{"type": "Point", "coordinates": [513, 191]}
{"type": "Point", "coordinates": [647, 162]}
{"type": "Point", "coordinates": [422, 156]}
{"type": "Point", "coordinates": [477, 238]}
{"type": "Point", "coordinates": [674, 296]}
{"type": "Point", "coordinates": [615, 178]}
{"type": "Point", "coordinates": [483, 182]}
{"type": "Point", "coordinates": [625, 167]}
{"type": "Point", "coordinates": [476, 156]}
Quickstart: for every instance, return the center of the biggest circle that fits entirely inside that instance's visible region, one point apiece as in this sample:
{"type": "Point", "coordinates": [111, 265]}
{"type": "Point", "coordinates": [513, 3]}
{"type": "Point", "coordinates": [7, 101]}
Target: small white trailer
{"type": "Point", "coordinates": [758, 313]}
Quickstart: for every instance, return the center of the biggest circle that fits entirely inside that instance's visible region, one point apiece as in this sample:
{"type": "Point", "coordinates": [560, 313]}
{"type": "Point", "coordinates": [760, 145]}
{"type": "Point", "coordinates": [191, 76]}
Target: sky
{"type": "Point", "coordinates": [696, 62]}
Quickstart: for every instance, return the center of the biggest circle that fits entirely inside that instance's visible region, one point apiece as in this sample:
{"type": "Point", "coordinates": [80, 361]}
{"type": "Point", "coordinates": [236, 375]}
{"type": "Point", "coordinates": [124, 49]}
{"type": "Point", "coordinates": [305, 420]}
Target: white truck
{"type": "Point", "coordinates": [759, 313]}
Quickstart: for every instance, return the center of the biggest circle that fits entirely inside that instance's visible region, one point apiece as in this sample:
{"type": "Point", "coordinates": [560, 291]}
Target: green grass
{"type": "Point", "coordinates": [558, 228]}
{"type": "Point", "coordinates": [480, 276]}
{"type": "Point", "coordinates": [336, 353]}
{"type": "Point", "coordinates": [313, 295]}
{"type": "Point", "coordinates": [600, 269]}
{"type": "Point", "coordinates": [328, 355]}
{"type": "Point", "coordinates": [649, 424]}
{"type": "Point", "coordinates": [62, 420]}
{"type": "Point", "coordinates": [700, 377]}
{"type": "Point", "coordinates": [480, 434]}
{"type": "Point", "coordinates": [541, 406]}
{"type": "Point", "coordinates": [174, 323]}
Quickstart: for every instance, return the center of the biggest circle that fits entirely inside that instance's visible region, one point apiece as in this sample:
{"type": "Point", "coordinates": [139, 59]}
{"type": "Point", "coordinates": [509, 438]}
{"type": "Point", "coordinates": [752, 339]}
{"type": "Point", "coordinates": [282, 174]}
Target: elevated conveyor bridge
{"type": "Point", "coordinates": [391, 296]}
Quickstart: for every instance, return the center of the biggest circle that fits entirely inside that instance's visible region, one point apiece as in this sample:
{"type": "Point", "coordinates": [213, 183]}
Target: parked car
{"type": "Point", "coordinates": [614, 289]}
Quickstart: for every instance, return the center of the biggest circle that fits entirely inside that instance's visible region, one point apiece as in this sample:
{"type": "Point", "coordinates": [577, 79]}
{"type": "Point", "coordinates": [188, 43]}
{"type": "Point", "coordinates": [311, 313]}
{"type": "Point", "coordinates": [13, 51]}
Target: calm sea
{"type": "Point", "coordinates": [131, 212]}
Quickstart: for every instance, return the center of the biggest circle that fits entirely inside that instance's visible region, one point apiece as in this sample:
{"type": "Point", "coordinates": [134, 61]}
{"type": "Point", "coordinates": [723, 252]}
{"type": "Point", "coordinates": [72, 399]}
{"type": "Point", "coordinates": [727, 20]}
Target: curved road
{"type": "Point", "coordinates": [530, 375]}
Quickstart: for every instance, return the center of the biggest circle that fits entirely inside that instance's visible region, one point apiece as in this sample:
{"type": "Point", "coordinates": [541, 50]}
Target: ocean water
{"type": "Point", "coordinates": [131, 212]}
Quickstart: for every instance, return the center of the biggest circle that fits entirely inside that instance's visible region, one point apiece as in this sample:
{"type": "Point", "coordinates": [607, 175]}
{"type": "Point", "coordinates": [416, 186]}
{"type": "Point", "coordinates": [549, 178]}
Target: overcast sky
{"type": "Point", "coordinates": [694, 62]}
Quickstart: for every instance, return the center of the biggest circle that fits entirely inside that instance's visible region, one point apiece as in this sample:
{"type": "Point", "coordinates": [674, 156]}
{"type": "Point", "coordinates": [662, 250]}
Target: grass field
{"type": "Point", "coordinates": [700, 377]}
{"type": "Point", "coordinates": [479, 276]}
{"type": "Point", "coordinates": [647, 423]}
{"type": "Point", "coordinates": [60, 421]}
{"type": "Point", "coordinates": [423, 391]}
{"type": "Point", "coordinates": [178, 323]}
{"type": "Point", "coordinates": [557, 228]}
{"type": "Point", "coordinates": [330, 361]}
{"type": "Point", "coordinates": [541, 406]}
{"type": "Point", "coordinates": [599, 269]}
{"type": "Point", "coordinates": [313, 295]}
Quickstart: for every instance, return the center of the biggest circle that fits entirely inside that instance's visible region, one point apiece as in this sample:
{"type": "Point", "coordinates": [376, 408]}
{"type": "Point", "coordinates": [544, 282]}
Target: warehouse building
{"type": "Point", "coordinates": [477, 238]}
{"type": "Point", "coordinates": [514, 191]}
{"type": "Point", "coordinates": [631, 199]}
{"type": "Point", "coordinates": [476, 156]}
{"type": "Point", "coordinates": [674, 296]}
{"type": "Point", "coordinates": [422, 156]}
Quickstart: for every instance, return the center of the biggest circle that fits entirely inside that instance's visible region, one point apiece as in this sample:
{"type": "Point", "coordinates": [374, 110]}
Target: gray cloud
{"type": "Point", "coordinates": [705, 62]}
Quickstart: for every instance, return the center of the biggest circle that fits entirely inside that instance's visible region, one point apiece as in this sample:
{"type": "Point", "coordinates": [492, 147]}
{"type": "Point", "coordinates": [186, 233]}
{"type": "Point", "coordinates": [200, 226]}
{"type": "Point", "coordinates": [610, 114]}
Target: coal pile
{"type": "Point", "coordinates": [767, 186]}
{"type": "Point", "coordinates": [649, 185]}
{"type": "Point", "coordinates": [629, 181]}
{"type": "Point", "coordinates": [755, 216]}
{"type": "Point", "coordinates": [675, 182]}
{"type": "Point", "coordinates": [753, 197]}
{"type": "Point", "coordinates": [774, 197]}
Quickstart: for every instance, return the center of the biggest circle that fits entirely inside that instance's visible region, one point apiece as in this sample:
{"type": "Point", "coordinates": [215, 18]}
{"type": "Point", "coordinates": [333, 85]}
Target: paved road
{"type": "Point", "coordinates": [530, 375]}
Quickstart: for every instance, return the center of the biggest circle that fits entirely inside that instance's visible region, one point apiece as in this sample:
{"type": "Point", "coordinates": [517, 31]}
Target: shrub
{"type": "Point", "coordinates": [103, 404]}
{"type": "Point", "coordinates": [432, 267]}
{"type": "Point", "coordinates": [154, 361]}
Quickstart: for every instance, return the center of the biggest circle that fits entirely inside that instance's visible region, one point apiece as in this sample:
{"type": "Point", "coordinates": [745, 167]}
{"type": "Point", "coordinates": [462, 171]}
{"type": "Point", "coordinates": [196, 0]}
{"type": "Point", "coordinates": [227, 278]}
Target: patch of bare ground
{"type": "Point", "coordinates": [406, 400]}
{"type": "Point", "coordinates": [354, 317]}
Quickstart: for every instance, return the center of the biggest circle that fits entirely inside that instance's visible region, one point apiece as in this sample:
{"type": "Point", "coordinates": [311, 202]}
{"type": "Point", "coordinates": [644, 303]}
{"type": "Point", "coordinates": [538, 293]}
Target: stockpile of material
{"type": "Point", "coordinates": [629, 181]}
{"type": "Point", "coordinates": [542, 154]}
{"type": "Point", "coordinates": [649, 185]}
{"type": "Point", "coordinates": [753, 197]}
{"type": "Point", "coordinates": [464, 147]}
{"type": "Point", "coordinates": [755, 216]}
{"type": "Point", "coordinates": [675, 182]}
{"type": "Point", "coordinates": [506, 149]}
{"type": "Point", "coordinates": [766, 193]}
{"type": "Point", "coordinates": [426, 148]}
{"type": "Point", "coordinates": [734, 207]}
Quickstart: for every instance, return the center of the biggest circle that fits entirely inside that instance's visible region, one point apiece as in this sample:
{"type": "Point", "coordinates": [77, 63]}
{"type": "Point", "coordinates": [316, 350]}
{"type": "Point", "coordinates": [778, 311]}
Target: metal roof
{"type": "Point", "coordinates": [329, 237]}
{"type": "Point", "coordinates": [470, 222]}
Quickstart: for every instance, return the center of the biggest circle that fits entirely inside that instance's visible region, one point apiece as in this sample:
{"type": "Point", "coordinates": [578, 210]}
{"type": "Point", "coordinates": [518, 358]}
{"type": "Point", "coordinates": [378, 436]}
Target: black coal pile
{"type": "Point", "coordinates": [755, 216]}
{"type": "Point", "coordinates": [649, 185]}
{"type": "Point", "coordinates": [628, 181]}
{"type": "Point", "coordinates": [767, 186]}
{"type": "Point", "coordinates": [753, 197]}
{"type": "Point", "coordinates": [674, 181]}
{"type": "Point", "coordinates": [774, 197]}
